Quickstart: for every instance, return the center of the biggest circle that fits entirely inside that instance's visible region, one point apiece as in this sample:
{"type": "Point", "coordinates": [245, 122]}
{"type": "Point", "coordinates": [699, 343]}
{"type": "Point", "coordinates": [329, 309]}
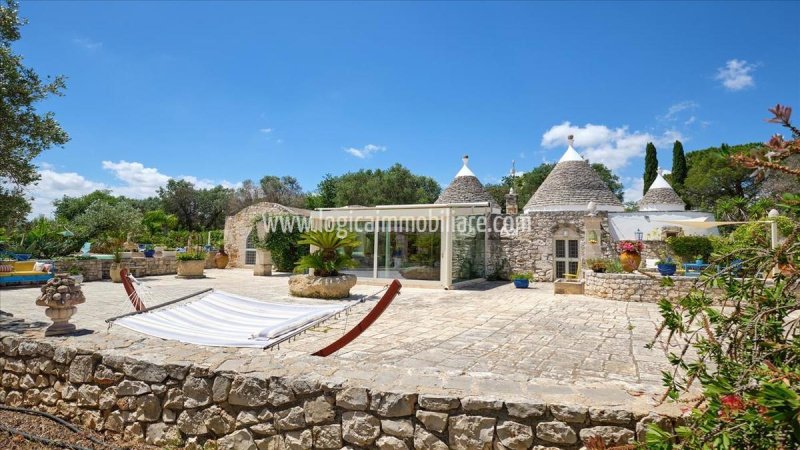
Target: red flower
{"type": "Point", "coordinates": [732, 402]}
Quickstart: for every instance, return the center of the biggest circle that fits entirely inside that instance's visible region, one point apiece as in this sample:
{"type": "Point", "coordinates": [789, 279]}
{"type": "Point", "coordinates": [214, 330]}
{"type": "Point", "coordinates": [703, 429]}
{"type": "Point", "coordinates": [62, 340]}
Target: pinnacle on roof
{"type": "Point", "coordinates": [465, 188]}
{"type": "Point", "coordinates": [571, 185]}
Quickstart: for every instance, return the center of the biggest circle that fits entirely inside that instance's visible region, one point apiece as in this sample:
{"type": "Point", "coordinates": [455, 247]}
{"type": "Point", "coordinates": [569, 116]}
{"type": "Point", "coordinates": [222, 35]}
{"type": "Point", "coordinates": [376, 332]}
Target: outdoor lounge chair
{"type": "Point", "coordinates": [220, 319]}
{"type": "Point", "coordinates": [87, 247]}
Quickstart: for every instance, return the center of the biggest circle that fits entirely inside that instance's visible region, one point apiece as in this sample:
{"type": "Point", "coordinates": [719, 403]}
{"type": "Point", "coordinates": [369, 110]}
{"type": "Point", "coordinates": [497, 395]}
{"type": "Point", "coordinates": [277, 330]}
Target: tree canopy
{"type": "Point", "coordinates": [679, 168]}
{"type": "Point", "coordinates": [393, 186]}
{"type": "Point", "coordinates": [712, 176]}
{"type": "Point", "coordinates": [650, 166]}
{"type": "Point", "coordinates": [24, 130]}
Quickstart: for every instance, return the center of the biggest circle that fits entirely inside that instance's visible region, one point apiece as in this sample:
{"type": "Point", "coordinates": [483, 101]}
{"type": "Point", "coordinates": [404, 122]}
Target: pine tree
{"type": "Point", "coordinates": [679, 169]}
{"type": "Point", "coordinates": [650, 166]}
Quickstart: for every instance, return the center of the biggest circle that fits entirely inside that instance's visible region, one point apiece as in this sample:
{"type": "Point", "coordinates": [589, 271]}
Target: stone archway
{"type": "Point", "coordinates": [239, 226]}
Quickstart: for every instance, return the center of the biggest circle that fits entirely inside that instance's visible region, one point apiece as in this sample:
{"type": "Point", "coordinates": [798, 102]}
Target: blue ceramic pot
{"type": "Point", "coordinates": [667, 269]}
{"type": "Point", "coordinates": [698, 261]}
{"type": "Point", "coordinates": [521, 284]}
{"type": "Point", "coordinates": [149, 253]}
{"type": "Point", "coordinates": [23, 256]}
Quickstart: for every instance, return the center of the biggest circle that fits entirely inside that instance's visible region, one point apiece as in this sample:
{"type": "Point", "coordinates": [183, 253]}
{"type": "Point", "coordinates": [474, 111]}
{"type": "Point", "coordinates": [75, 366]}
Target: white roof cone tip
{"type": "Point", "coordinates": [570, 154]}
{"type": "Point", "coordinates": [465, 172]}
{"type": "Point", "coordinates": [660, 182]}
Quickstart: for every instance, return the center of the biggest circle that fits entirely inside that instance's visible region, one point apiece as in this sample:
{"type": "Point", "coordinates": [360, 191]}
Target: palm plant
{"type": "Point", "coordinates": [329, 256]}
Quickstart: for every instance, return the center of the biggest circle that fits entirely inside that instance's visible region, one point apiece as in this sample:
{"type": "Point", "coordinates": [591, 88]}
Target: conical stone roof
{"type": "Point", "coordinates": [661, 197]}
{"type": "Point", "coordinates": [571, 186]}
{"type": "Point", "coordinates": [465, 188]}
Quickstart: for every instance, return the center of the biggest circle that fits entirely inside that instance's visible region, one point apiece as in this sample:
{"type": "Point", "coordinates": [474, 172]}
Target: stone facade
{"type": "Point", "coordinates": [526, 242]}
{"type": "Point", "coordinates": [239, 226]}
{"type": "Point", "coordinates": [176, 405]}
{"type": "Point", "coordinates": [638, 288]}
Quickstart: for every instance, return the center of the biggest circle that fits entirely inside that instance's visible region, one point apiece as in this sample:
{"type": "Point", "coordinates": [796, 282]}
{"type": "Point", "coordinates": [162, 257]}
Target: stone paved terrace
{"type": "Point", "coordinates": [489, 340]}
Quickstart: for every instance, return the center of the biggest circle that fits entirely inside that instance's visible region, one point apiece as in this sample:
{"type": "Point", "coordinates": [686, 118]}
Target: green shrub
{"type": "Point", "coordinates": [689, 248]}
{"type": "Point", "coordinates": [191, 256]}
{"type": "Point", "coordinates": [330, 256]}
{"type": "Point", "coordinates": [283, 245]}
{"type": "Point", "coordinates": [522, 276]}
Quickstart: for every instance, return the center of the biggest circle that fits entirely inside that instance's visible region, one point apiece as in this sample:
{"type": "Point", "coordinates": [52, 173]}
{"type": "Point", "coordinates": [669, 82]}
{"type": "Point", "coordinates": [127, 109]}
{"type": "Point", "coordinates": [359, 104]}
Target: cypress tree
{"type": "Point", "coordinates": [650, 166]}
{"type": "Point", "coordinates": [679, 169]}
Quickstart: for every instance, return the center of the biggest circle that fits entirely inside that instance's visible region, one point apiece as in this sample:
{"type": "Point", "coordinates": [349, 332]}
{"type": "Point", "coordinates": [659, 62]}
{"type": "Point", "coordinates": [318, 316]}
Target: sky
{"type": "Point", "coordinates": [220, 92]}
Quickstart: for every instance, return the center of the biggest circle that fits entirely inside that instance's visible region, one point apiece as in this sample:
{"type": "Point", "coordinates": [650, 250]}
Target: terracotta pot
{"type": "Point", "coordinates": [221, 259]}
{"type": "Point", "coordinates": [630, 261]}
{"type": "Point", "coordinates": [114, 272]}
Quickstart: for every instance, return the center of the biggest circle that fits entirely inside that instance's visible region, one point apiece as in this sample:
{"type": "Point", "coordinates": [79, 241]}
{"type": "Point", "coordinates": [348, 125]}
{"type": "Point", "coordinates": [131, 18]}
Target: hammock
{"type": "Point", "coordinates": [221, 319]}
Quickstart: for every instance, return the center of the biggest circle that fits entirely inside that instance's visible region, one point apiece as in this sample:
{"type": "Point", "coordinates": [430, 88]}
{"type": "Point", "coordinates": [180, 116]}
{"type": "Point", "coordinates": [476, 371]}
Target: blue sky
{"type": "Point", "coordinates": [222, 92]}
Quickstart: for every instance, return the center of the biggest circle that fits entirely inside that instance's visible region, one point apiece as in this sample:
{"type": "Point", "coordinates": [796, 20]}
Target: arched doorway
{"type": "Point", "coordinates": [250, 249]}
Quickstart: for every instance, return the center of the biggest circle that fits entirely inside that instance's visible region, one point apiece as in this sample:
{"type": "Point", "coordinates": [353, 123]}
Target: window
{"type": "Point", "coordinates": [567, 254]}
{"type": "Point", "coordinates": [250, 250]}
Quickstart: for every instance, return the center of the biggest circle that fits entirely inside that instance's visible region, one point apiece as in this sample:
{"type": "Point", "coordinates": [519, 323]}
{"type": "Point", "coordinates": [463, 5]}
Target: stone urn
{"type": "Point", "coordinates": [221, 259]}
{"type": "Point", "coordinates": [630, 261]}
{"type": "Point", "coordinates": [312, 286]}
{"type": "Point", "coordinates": [114, 272]}
{"type": "Point", "coordinates": [60, 295]}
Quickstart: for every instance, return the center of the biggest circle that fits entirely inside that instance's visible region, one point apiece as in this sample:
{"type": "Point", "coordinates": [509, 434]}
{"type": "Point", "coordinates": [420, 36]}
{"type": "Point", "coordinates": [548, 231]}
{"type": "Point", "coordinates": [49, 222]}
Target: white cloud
{"type": "Point", "coordinates": [674, 110]}
{"type": "Point", "coordinates": [736, 74]}
{"type": "Point", "coordinates": [265, 130]}
{"type": "Point", "coordinates": [87, 43]}
{"type": "Point", "coordinates": [614, 147]}
{"type": "Point", "coordinates": [139, 181]}
{"type": "Point", "coordinates": [133, 180]}
{"type": "Point", "coordinates": [690, 121]}
{"type": "Point", "coordinates": [54, 185]}
{"type": "Point", "coordinates": [633, 193]}
{"type": "Point", "coordinates": [365, 152]}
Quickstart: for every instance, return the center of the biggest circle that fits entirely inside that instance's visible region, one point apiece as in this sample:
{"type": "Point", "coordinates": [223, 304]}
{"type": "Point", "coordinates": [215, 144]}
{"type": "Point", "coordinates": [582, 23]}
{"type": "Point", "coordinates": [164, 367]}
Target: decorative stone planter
{"type": "Point", "coordinates": [168, 253]}
{"type": "Point", "coordinates": [191, 269]}
{"type": "Point", "coordinates": [60, 295]}
{"type": "Point", "coordinates": [562, 286]}
{"type": "Point", "coordinates": [311, 286]}
{"type": "Point", "coordinates": [114, 272]}
{"type": "Point", "coordinates": [263, 267]}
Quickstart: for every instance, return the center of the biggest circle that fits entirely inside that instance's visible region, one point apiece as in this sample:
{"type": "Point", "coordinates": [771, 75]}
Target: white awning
{"type": "Point", "coordinates": [700, 222]}
{"type": "Point", "coordinates": [220, 319]}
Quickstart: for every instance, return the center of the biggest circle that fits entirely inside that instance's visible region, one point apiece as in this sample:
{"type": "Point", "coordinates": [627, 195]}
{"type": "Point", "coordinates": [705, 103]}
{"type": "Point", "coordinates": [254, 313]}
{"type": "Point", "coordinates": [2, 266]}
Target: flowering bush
{"type": "Point", "coordinates": [630, 246]}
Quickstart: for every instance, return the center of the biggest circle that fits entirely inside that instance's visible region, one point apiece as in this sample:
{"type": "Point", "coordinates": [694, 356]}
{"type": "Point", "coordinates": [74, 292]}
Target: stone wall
{"type": "Point", "coordinates": [638, 288]}
{"type": "Point", "coordinates": [97, 269]}
{"type": "Point", "coordinates": [186, 405]}
{"type": "Point", "coordinates": [239, 226]}
{"type": "Point", "coordinates": [526, 243]}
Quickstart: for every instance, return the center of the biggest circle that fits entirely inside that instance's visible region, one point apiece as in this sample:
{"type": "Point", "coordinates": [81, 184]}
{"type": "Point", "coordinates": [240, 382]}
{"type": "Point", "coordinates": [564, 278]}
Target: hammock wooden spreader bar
{"type": "Point", "coordinates": [369, 319]}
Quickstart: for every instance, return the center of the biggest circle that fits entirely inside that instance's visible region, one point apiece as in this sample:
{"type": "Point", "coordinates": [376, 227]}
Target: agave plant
{"type": "Point", "coordinates": [327, 259]}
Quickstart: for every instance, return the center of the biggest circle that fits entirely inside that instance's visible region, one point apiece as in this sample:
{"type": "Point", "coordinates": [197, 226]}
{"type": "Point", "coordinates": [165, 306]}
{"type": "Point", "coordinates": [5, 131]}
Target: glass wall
{"type": "Point", "coordinates": [410, 250]}
{"type": "Point", "coordinates": [364, 254]}
{"type": "Point", "coordinates": [469, 248]}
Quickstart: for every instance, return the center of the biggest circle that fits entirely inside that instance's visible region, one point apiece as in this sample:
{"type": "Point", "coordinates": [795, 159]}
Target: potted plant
{"type": "Point", "coordinates": [75, 274]}
{"type": "Point", "coordinates": [329, 257]}
{"type": "Point", "coordinates": [116, 266]}
{"type": "Point", "coordinates": [597, 265]}
{"type": "Point", "coordinates": [698, 259]}
{"type": "Point", "coordinates": [149, 251]}
{"type": "Point", "coordinates": [521, 279]}
{"type": "Point", "coordinates": [191, 264]}
{"type": "Point", "coordinates": [630, 254]}
{"type": "Point", "coordinates": [666, 267]}
{"type": "Point", "coordinates": [168, 252]}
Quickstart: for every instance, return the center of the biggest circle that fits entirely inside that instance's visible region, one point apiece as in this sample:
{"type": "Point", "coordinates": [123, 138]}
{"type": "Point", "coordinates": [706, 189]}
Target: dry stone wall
{"type": "Point", "coordinates": [176, 405]}
{"type": "Point", "coordinates": [97, 269]}
{"type": "Point", "coordinates": [638, 288]}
